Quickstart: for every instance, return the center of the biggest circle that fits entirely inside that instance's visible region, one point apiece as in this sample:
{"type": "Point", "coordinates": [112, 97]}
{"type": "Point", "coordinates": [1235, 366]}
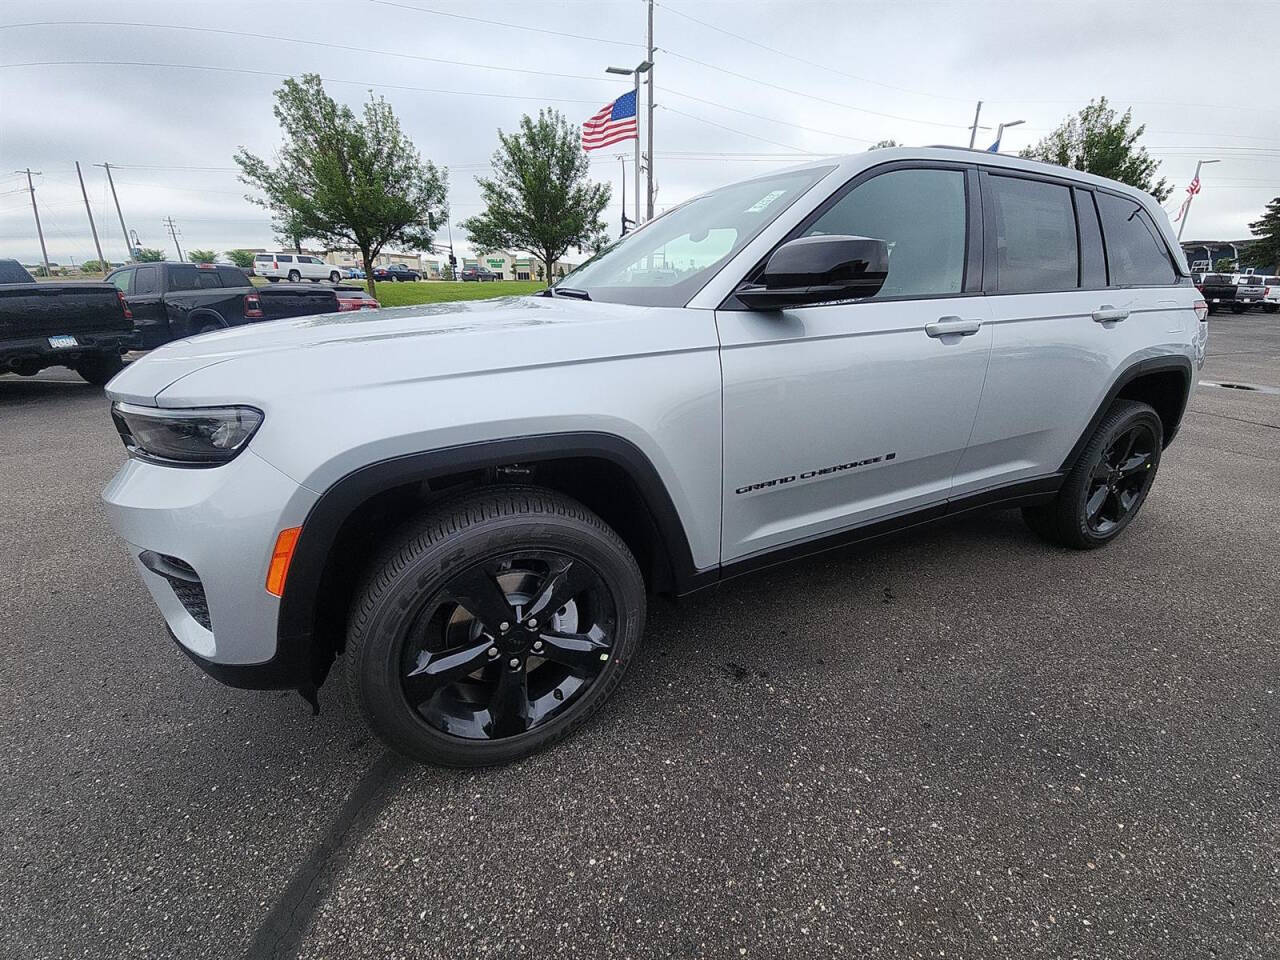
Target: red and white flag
{"type": "Point", "coordinates": [615, 122]}
{"type": "Point", "coordinates": [1192, 189]}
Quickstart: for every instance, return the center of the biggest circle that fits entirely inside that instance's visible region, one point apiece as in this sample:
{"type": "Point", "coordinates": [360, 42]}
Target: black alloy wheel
{"type": "Point", "coordinates": [1108, 483]}
{"type": "Point", "coordinates": [493, 626]}
{"type": "Point", "coordinates": [1120, 478]}
{"type": "Point", "coordinates": [508, 644]}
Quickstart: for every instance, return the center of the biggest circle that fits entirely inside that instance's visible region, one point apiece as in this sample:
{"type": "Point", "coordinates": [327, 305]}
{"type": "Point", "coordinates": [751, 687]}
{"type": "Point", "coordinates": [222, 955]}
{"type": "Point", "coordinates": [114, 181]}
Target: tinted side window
{"type": "Point", "coordinates": [283, 258]}
{"type": "Point", "coordinates": [183, 278]}
{"type": "Point", "coordinates": [232, 277]}
{"type": "Point", "coordinates": [920, 214]}
{"type": "Point", "coordinates": [206, 279]}
{"type": "Point", "coordinates": [1035, 229]}
{"type": "Point", "coordinates": [1136, 256]}
{"type": "Point", "coordinates": [1093, 259]}
{"type": "Point", "coordinates": [147, 280]}
{"type": "Point", "coordinates": [123, 280]}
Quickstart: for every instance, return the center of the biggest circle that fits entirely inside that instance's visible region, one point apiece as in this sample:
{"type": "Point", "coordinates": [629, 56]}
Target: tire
{"type": "Point", "coordinates": [100, 369]}
{"type": "Point", "coordinates": [211, 328]}
{"type": "Point", "coordinates": [1238, 309]}
{"type": "Point", "coordinates": [273, 279]}
{"type": "Point", "coordinates": [335, 276]}
{"type": "Point", "coordinates": [1068, 519]}
{"type": "Point", "coordinates": [537, 547]}
{"type": "Point", "coordinates": [294, 276]}
{"type": "Point", "coordinates": [1271, 307]}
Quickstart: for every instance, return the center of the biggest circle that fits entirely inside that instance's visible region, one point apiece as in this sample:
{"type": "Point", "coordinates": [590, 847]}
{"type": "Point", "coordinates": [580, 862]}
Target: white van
{"type": "Point", "coordinates": [294, 267]}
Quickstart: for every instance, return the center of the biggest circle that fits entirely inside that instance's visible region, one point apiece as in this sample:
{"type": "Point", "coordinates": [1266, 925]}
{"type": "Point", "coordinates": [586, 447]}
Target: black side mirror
{"type": "Point", "coordinates": [819, 269]}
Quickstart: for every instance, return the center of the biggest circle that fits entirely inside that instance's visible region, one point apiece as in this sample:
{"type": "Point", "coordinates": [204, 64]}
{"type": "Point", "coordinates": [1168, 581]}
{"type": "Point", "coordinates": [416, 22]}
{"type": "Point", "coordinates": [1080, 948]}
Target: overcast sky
{"type": "Point", "coordinates": [841, 74]}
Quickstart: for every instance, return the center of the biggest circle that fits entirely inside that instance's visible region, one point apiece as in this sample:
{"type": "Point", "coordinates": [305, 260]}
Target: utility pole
{"type": "Point", "coordinates": [128, 247]}
{"type": "Point", "coordinates": [649, 133]}
{"type": "Point", "coordinates": [34, 209]}
{"type": "Point", "coordinates": [173, 232]}
{"type": "Point", "coordinates": [92, 228]}
{"type": "Point", "coordinates": [973, 131]}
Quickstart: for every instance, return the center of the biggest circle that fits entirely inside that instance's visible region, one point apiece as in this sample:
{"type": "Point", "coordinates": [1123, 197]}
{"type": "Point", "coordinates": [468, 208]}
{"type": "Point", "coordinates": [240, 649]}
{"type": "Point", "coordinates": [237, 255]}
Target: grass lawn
{"type": "Point", "coordinates": [440, 291]}
{"type": "Point", "coordinates": [392, 294]}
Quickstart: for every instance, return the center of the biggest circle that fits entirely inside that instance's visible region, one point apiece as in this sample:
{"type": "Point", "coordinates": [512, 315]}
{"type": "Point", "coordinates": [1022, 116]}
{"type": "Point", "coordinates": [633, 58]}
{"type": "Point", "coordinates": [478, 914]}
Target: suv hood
{"type": "Point", "coordinates": [370, 346]}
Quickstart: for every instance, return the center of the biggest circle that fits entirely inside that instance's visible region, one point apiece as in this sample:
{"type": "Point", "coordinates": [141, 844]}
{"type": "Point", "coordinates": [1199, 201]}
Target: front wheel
{"type": "Point", "coordinates": [1238, 309]}
{"type": "Point", "coordinates": [1109, 482]}
{"type": "Point", "coordinates": [493, 627]}
{"type": "Point", "coordinates": [100, 369]}
{"type": "Point", "coordinates": [294, 276]}
{"type": "Point", "coordinates": [334, 276]}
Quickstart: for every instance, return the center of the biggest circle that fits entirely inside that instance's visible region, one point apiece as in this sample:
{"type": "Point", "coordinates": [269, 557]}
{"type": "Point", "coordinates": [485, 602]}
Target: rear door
{"type": "Point", "coordinates": [843, 414]}
{"type": "Point", "coordinates": [1078, 285]}
{"type": "Point", "coordinates": [146, 303]}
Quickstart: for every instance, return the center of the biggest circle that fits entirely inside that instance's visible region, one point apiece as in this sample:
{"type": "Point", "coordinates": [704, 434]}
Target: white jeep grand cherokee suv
{"type": "Point", "coordinates": [470, 502]}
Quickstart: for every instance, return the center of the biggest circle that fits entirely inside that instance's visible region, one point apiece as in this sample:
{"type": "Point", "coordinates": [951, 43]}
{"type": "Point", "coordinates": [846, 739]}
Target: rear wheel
{"type": "Point", "coordinates": [1109, 482]}
{"type": "Point", "coordinates": [100, 369]}
{"type": "Point", "coordinates": [493, 627]}
{"type": "Point", "coordinates": [1271, 307]}
{"type": "Point", "coordinates": [1238, 308]}
{"type": "Point", "coordinates": [334, 276]}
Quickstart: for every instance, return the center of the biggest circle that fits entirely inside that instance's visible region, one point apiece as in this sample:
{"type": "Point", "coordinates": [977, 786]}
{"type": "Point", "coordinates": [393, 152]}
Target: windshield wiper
{"type": "Point", "coordinates": [571, 292]}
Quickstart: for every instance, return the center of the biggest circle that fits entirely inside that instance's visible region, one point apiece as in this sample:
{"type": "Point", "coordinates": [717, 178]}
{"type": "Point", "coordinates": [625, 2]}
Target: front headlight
{"type": "Point", "coordinates": [191, 437]}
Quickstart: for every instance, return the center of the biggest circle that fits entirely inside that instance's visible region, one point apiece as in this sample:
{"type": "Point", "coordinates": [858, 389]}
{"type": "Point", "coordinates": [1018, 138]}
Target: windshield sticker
{"type": "Point", "coordinates": [764, 201]}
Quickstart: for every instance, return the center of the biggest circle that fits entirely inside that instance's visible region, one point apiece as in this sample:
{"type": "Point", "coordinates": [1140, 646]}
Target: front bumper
{"type": "Point", "coordinates": [221, 523]}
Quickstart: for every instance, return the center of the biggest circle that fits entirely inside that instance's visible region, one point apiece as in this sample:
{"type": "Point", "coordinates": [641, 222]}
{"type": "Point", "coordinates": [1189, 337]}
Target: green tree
{"type": "Point", "coordinates": [539, 198]}
{"type": "Point", "coordinates": [91, 266]}
{"type": "Point", "coordinates": [541, 273]}
{"type": "Point", "coordinates": [149, 255]}
{"type": "Point", "coordinates": [241, 258]}
{"type": "Point", "coordinates": [446, 271]}
{"type": "Point", "coordinates": [1099, 141]}
{"type": "Point", "coordinates": [202, 256]}
{"type": "Point", "coordinates": [881, 144]}
{"type": "Point", "coordinates": [344, 180]}
{"type": "Point", "coordinates": [1264, 252]}
{"type": "Point", "coordinates": [1224, 265]}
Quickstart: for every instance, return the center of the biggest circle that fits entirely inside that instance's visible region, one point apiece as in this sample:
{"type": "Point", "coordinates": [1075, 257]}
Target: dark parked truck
{"type": "Point", "coordinates": [171, 301]}
{"type": "Point", "coordinates": [1233, 292]}
{"type": "Point", "coordinates": [84, 326]}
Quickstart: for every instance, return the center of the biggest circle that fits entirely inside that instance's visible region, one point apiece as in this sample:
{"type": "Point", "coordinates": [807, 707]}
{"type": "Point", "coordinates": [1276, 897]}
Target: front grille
{"type": "Point", "coordinates": [185, 582]}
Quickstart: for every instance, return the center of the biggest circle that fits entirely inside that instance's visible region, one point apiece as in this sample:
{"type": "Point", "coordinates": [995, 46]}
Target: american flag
{"type": "Point", "coordinates": [616, 121]}
{"type": "Point", "coordinates": [1192, 189]}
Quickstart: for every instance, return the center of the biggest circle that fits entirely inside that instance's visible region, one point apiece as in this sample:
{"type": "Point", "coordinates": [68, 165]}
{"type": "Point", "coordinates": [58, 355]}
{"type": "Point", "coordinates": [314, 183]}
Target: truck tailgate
{"type": "Point", "coordinates": [46, 309]}
{"type": "Point", "coordinates": [296, 300]}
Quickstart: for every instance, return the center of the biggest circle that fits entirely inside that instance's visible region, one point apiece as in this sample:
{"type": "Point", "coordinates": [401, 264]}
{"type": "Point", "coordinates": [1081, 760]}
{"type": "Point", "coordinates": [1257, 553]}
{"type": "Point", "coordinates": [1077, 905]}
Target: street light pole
{"type": "Point", "coordinates": [1187, 210]}
{"type": "Point", "coordinates": [649, 128]}
{"type": "Point", "coordinates": [1000, 129]}
{"type": "Point", "coordinates": [973, 131]}
{"type": "Point", "coordinates": [123, 229]}
{"type": "Point", "coordinates": [623, 71]}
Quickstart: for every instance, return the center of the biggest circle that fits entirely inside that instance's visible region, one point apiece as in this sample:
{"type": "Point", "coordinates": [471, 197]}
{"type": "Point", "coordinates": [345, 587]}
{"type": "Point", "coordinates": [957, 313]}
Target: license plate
{"type": "Point", "coordinates": [61, 343]}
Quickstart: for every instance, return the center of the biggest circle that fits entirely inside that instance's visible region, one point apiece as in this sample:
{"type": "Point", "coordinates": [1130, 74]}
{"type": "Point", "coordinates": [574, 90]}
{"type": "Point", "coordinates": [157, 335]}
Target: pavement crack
{"type": "Point", "coordinates": [279, 936]}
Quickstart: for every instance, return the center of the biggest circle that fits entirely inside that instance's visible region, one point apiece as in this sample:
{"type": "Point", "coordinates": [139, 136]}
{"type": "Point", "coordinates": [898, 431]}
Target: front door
{"type": "Point", "coordinates": [146, 303]}
{"type": "Point", "coordinates": [840, 415]}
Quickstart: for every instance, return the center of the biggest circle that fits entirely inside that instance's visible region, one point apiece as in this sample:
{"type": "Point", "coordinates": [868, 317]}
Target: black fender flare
{"type": "Point", "coordinates": [1131, 373]}
{"type": "Point", "coordinates": [293, 664]}
{"type": "Point", "coordinates": [202, 317]}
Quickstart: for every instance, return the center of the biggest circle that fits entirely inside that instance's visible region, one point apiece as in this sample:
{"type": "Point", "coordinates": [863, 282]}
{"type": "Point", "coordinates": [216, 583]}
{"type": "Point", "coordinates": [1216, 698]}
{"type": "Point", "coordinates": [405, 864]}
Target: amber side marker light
{"type": "Point", "coordinates": [280, 557]}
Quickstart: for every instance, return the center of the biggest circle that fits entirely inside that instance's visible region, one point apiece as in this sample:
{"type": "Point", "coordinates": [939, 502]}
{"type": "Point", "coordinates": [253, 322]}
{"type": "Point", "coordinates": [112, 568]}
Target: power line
{"type": "Point", "coordinates": [812, 96]}
{"type": "Point", "coordinates": [742, 133]}
{"type": "Point", "coordinates": [812, 63]}
{"type": "Point", "coordinates": [298, 40]}
{"type": "Point", "coordinates": [499, 23]}
{"type": "Point", "coordinates": [757, 116]}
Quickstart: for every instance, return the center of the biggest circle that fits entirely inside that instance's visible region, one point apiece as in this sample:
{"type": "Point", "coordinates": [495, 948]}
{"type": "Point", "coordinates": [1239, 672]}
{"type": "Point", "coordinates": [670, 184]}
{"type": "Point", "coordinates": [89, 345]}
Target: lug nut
{"type": "Point", "coordinates": [504, 626]}
{"type": "Point", "coordinates": [493, 651]}
{"type": "Point", "coordinates": [514, 662]}
{"type": "Point", "coordinates": [532, 623]}
{"type": "Point", "coordinates": [537, 645]}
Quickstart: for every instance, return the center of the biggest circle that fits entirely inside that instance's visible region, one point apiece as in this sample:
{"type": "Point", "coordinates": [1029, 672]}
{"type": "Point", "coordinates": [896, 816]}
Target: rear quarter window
{"type": "Point", "coordinates": [183, 278]}
{"type": "Point", "coordinates": [1136, 255]}
{"type": "Point", "coordinates": [1036, 244]}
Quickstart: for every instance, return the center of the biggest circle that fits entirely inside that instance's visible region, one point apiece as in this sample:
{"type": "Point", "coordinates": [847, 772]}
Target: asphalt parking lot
{"type": "Point", "coordinates": [962, 743]}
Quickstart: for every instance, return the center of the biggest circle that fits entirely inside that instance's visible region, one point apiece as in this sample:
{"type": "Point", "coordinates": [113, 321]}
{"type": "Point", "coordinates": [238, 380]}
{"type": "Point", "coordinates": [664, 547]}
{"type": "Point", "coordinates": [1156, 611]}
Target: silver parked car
{"type": "Point", "coordinates": [472, 501]}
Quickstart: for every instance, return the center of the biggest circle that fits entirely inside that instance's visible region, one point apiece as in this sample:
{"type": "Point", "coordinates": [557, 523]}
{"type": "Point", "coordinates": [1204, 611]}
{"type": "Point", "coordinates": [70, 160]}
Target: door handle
{"type": "Point", "coordinates": [1109, 314]}
{"type": "Point", "coordinates": [952, 325]}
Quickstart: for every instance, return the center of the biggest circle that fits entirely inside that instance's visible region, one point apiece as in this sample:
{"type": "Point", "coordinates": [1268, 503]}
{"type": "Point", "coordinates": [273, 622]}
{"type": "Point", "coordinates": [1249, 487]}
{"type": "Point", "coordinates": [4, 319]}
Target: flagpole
{"type": "Point", "coordinates": [1191, 196]}
{"type": "Point", "coordinates": [637, 193]}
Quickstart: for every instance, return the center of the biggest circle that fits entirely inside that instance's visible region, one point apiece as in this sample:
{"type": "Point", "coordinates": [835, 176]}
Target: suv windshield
{"type": "Point", "coordinates": [669, 259]}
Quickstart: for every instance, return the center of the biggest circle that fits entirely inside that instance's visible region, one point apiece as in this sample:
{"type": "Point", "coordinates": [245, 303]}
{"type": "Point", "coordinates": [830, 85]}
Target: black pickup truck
{"type": "Point", "coordinates": [1230, 291]}
{"type": "Point", "coordinates": [171, 301]}
{"type": "Point", "coordinates": [84, 326]}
